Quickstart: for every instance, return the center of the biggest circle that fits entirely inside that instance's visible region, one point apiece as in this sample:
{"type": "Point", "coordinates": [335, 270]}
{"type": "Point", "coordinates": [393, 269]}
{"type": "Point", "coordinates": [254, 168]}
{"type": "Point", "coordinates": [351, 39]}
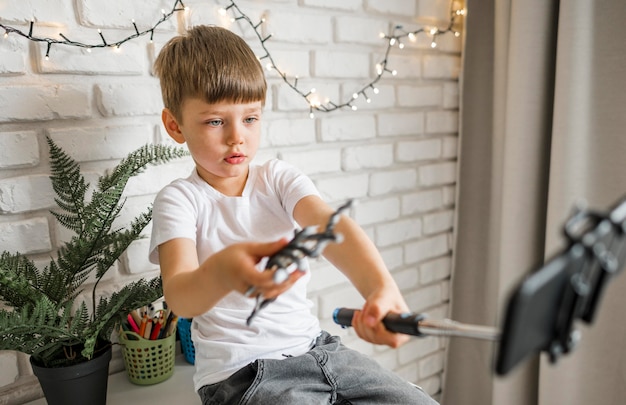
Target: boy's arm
{"type": "Point", "coordinates": [191, 288]}
{"type": "Point", "coordinates": [358, 258]}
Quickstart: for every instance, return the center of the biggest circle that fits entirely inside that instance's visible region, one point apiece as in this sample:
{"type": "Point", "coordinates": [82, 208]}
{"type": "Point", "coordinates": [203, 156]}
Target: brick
{"type": "Point", "coordinates": [324, 276]}
{"type": "Point", "coordinates": [135, 259]}
{"type": "Point", "coordinates": [46, 12]}
{"type": "Point", "coordinates": [9, 370]}
{"type": "Point", "coordinates": [128, 59]}
{"type": "Point", "coordinates": [407, 279]}
{"type": "Point", "coordinates": [414, 151]}
{"type": "Point", "coordinates": [421, 96]}
{"type": "Point", "coordinates": [314, 161]}
{"type": "Point", "coordinates": [375, 211]}
{"type": "Point", "coordinates": [119, 13]}
{"type": "Point", "coordinates": [44, 102]}
{"type": "Point", "coordinates": [438, 222]}
{"type": "Point", "coordinates": [441, 67]}
{"type": "Point", "coordinates": [349, 5]}
{"type": "Point", "coordinates": [394, 124]}
{"type": "Point", "coordinates": [398, 231]}
{"type": "Point", "coordinates": [449, 195]}
{"type": "Point", "coordinates": [12, 56]}
{"type": "Point", "coordinates": [422, 201]}
{"type": "Point", "coordinates": [424, 298]}
{"type": "Point", "coordinates": [288, 99]}
{"type": "Point", "coordinates": [450, 147]}
{"type": "Point", "coordinates": [432, 364]}
{"type": "Point", "coordinates": [392, 256]}
{"type": "Point", "coordinates": [384, 97]}
{"type": "Point", "coordinates": [291, 63]}
{"type": "Point", "coordinates": [343, 187]}
{"type": "Point", "coordinates": [426, 249]}
{"type": "Point", "coordinates": [388, 182]}
{"type": "Point", "coordinates": [435, 9]}
{"type": "Point", "coordinates": [26, 193]}
{"type": "Point", "coordinates": [26, 236]}
{"type": "Point", "coordinates": [286, 132]}
{"type": "Point", "coordinates": [18, 149]}
{"type": "Point", "coordinates": [114, 142]}
{"type": "Point", "coordinates": [450, 95]}
{"type": "Point", "coordinates": [407, 65]}
{"type": "Point", "coordinates": [157, 177]}
{"type": "Point", "coordinates": [342, 65]}
{"type": "Point", "coordinates": [297, 27]}
{"type": "Point", "coordinates": [374, 156]}
{"type": "Point", "coordinates": [438, 173]}
{"type": "Point", "coordinates": [129, 99]}
{"type": "Point", "coordinates": [398, 7]}
{"type": "Point", "coordinates": [347, 297]}
{"type": "Point", "coordinates": [360, 30]}
{"type": "Point", "coordinates": [435, 270]}
{"type": "Point", "coordinates": [442, 121]}
{"type": "Point", "coordinates": [348, 127]}
{"type": "Point", "coordinates": [417, 349]}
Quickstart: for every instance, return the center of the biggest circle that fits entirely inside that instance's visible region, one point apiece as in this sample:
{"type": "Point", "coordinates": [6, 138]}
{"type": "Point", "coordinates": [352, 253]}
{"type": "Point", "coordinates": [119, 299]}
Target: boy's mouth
{"type": "Point", "coordinates": [236, 158]}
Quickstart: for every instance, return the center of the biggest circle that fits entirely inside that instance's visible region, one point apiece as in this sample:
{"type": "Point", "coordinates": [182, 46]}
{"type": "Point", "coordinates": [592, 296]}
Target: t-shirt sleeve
{"type": "Point", "coordinates": [173, 216]}
{"type": "Point", "coordinates": [290, 184]}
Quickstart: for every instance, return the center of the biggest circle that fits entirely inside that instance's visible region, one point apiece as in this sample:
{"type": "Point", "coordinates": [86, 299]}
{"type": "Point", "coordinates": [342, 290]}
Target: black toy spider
{"type": "Point", "coordinates": [305, 243]}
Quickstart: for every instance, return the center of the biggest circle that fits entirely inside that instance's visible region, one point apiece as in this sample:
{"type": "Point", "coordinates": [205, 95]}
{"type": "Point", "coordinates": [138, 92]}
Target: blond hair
{"type": "Point", "coordinates": [209, 63]}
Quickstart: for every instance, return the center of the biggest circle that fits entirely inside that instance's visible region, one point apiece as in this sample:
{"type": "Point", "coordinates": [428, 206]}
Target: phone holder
{"type": "Point", "coordinates": [542, 310]}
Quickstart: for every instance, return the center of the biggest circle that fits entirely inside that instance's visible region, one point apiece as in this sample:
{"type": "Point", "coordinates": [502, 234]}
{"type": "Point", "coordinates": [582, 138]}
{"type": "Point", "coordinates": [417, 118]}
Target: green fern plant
{"type": "Point", "coordinates": [41, 315]}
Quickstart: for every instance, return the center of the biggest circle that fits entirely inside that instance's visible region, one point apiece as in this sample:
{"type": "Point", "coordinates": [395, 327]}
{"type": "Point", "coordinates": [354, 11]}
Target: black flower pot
{"type": "Point", "coordinates": [80, 384]}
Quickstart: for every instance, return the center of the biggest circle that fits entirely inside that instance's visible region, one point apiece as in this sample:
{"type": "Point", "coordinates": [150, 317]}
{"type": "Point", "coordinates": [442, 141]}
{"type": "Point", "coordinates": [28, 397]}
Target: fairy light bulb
{"type": "Point", "coordinates": [412, 37]}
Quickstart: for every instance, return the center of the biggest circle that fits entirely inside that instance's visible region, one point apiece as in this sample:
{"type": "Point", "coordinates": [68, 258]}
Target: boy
{"type": "Point", "coordinates": [211, 230]}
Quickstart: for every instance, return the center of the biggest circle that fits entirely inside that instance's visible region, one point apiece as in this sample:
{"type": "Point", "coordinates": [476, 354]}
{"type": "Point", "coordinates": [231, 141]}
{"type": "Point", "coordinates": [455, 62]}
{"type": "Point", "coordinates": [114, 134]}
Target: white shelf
{"type": "Point", "coordinates": [178, 389]}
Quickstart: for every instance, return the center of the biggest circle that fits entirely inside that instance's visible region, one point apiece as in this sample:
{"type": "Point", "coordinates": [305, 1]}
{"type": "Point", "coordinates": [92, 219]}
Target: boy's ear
{"type": "Point", "coordinates": [171, 126]}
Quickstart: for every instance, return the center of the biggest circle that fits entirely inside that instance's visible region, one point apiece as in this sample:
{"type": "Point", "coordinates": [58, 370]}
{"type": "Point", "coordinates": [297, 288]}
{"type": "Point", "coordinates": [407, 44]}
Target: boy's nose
{"type": "Point", "coordinates": [234, 136]}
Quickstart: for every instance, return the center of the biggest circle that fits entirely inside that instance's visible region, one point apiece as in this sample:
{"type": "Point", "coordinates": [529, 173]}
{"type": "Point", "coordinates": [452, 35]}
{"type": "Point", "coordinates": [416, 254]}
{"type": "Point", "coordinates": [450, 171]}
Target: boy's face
{"type": "Point", "coordinates": [223, 138]}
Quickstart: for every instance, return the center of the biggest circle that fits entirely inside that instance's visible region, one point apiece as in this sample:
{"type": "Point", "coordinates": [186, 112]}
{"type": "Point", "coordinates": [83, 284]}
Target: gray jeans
{"type": "Point", "coordinates": [329, 373]}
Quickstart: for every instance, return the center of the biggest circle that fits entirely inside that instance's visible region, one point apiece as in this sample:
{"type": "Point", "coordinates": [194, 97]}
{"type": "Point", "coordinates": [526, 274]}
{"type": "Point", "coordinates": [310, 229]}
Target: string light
{"type": "Point", "coordinates": [310, 97]}
{"type": "Point", "coordinates": [178, 6]}
{"type": "Point", "coordinates": [381, 67]}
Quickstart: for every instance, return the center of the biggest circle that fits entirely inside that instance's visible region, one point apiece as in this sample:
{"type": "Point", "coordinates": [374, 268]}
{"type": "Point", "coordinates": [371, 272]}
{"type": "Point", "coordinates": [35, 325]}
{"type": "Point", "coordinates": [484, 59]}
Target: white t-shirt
{"type": "Point", "coordinates": [190, 208]}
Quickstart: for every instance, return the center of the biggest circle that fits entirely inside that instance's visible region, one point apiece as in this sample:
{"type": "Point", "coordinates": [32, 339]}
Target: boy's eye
{"type": "Point", "coordinates": [250, 120]}
{"type": "Point", "coordinates": [214, 123]}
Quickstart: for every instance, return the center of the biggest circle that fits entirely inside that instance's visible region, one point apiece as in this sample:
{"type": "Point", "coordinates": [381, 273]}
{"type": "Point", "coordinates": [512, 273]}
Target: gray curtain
{"type": "Point", "coordinates": [543, 107]}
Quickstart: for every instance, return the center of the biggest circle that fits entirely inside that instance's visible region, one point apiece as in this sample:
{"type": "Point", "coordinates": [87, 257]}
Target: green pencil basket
{"type": "Point", "coordinates": [148, 361]}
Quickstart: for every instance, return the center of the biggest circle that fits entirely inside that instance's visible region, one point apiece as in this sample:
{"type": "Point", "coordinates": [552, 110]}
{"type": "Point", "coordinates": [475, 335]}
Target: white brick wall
{"type": "Point", "coordinates": [395, 155]}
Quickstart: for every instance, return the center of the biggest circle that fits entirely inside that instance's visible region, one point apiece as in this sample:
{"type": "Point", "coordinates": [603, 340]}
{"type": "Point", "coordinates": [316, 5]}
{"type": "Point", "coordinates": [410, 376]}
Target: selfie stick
{"type": "Point", "coordinates": [542, 310]}
{"type": "Point", "coordinates": [418, 325]}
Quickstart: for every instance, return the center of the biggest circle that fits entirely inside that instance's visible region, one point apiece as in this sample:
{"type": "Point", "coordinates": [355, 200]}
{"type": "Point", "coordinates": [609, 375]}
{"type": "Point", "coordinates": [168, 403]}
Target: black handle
{"type": "Point", "coordinates": [407, 323]}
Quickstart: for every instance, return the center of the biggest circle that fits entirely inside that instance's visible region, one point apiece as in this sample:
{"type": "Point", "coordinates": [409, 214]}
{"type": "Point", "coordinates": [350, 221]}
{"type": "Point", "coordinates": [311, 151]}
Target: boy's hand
{"type": "Point", "coordinates": [238, 271]}
{"type": "Point", "coordinates": [368, 322]}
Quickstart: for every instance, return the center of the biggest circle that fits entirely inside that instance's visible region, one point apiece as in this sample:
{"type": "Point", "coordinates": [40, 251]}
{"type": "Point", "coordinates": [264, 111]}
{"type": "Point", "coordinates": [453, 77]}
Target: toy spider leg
{"type": "Point", "coordinates": [305, 243]}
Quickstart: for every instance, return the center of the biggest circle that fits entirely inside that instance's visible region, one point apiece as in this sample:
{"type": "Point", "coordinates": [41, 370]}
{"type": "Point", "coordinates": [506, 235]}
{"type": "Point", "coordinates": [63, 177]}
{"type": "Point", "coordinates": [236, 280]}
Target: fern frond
{"type": "Point", "coordinates": [69, 185]}
{"type": "Point", "coordinates": [112, 310]}
{"type": "Point", "coordinates": [137, 161]}
{"type": "Point", "coordinates": [19, 280]}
